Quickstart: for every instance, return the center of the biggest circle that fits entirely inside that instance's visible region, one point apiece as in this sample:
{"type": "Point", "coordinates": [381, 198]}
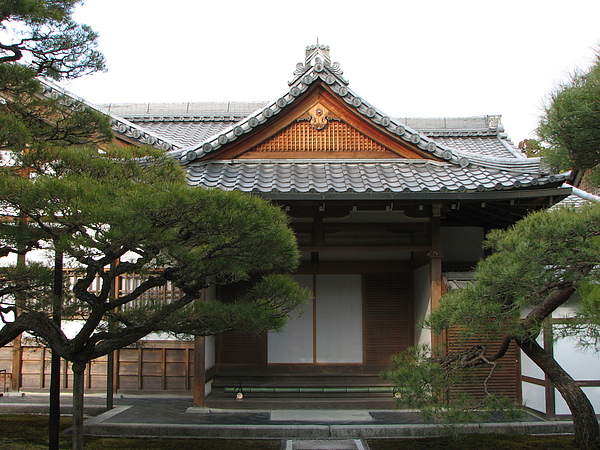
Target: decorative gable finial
{"type": "Point", "coordinates": [317, 56]}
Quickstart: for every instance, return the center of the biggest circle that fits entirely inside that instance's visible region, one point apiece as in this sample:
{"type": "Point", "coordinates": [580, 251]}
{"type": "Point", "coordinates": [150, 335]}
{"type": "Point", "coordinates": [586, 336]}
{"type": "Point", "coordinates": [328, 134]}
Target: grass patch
{"type": "Point", "coordinates": [180, 444]}
{"type": "Point", "coordinates": [471, 441]}
{"type": "Point", "coordinates": [30, 432]}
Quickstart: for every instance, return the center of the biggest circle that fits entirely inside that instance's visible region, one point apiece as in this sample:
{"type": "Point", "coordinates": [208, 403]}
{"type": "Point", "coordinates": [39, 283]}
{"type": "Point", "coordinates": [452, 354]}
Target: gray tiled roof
{"type": "Point", "coordinates": [118, 124]}
{"type": "Point", "coordinates": [482, 145]}
{"type": "Point", "coordinates": [578, 198]}
{"type": "Point", "coordinates": [475, 123]}
{"type": "Point", "coordinates": [184, 124]}
{"type": "Point", "coordinates": [362, 176]}
{"type": "Point", "coordinates": [191, 130]}
{"type": "Point", "coordinates": [475, 153]}
{"type": "Point", "coordinates": [171, 111]}
{"type": "Point", "coordinates": [185, 133]}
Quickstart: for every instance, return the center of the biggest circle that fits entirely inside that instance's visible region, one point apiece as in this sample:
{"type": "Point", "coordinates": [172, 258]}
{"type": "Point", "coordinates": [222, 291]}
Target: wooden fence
{"type": "Point", "coordinates": [154, 367]}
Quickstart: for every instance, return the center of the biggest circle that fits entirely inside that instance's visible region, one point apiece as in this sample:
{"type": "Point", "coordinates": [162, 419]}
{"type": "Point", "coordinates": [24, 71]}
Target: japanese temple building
{"type": "Point", "coordinates": [389, 212]}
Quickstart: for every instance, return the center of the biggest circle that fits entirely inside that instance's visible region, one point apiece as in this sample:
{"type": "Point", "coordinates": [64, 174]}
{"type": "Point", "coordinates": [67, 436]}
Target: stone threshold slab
{"type": "Point", "coordinates": [320, 415]}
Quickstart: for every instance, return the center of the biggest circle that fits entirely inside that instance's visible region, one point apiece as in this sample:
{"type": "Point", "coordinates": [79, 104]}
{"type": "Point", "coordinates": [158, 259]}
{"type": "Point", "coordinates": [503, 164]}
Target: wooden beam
{"type": "Point", "coordinates": [435, 257]}
{"type": "Point", "coordinates": [329, 227]}
{"type": "Point", "coordinates": [350, 267]}
{"type": "Point", "coordinates": [367, 248]}
{"type": "Point", "coordinates": [200, 365]}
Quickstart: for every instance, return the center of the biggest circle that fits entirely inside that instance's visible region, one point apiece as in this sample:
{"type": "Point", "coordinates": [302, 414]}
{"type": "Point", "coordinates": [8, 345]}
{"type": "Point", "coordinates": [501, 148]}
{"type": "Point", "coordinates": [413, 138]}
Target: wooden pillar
{"type": "Point", "coordinates": [199, 371]}
{"type": "Point", "coordinates": [65, 374]}
{"type": "Point", "coordinates": [110, 380]}
{"type": "Point", "coordinates": [111, 367]}
{"type": "Point", "coordinates": [140, 372]}
{"type": "Point", "coordinates": [435, 262]}
{"type": "Point", "coordinates": [163, 371]}
{"type": "Point", "coordinates": [200, 365]}
{"type": "Point", "coordinates": [17, 358]}
{"type": "Point", "coordinates": [42, 379]}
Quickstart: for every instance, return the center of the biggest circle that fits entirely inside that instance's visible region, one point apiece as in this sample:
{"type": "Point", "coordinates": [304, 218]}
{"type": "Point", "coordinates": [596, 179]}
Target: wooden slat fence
{"type": "Point", "coordinates": [156, 366]}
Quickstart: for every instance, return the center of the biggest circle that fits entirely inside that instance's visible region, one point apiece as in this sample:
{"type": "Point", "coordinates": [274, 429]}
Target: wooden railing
{"type": "Point", "coordinates": [127, 283]}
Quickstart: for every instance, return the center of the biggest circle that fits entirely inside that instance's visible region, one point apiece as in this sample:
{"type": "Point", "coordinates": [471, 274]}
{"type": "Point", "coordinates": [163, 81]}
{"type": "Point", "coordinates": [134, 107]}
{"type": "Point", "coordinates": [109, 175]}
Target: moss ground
{"type": "Point", "coordinates": [30, 432]}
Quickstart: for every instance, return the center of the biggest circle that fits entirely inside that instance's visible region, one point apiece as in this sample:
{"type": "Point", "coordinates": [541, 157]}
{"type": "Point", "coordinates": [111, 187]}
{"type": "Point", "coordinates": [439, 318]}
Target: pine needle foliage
{"type": "Point", "coordinates": [570, 126]}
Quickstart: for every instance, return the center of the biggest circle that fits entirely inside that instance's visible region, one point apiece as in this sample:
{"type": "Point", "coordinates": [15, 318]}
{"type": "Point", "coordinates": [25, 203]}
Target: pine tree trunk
{"type": "Point", "coordinates": [78, 369]}
{"type": "Point", "coordinates": [54, 400]}
{"type": "Point", "coordinates": [587, 431]}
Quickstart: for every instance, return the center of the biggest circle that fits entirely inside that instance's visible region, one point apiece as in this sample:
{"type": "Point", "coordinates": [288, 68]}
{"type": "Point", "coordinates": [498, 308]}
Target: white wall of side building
{"type": "Point", "coordinates": [422, 294]}
{"type": "Point", "coordinates": [581, 362]}
{"type": "Point", "coordinates": [210, 349]}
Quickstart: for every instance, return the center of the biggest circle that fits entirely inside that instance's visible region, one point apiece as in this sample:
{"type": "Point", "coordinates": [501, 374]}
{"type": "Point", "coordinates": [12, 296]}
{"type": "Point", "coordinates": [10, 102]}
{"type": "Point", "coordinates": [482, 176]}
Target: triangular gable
{"type": "Point", "coordinates": [319, 125]}
{"type": "Point", "coordinates": [291, 127]}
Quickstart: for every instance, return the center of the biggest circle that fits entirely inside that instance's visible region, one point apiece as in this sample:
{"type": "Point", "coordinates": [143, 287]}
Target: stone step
{"type": "Point", "coordinates": [324, 444]}
{"type": "Point", "coordinates": [325, 390]}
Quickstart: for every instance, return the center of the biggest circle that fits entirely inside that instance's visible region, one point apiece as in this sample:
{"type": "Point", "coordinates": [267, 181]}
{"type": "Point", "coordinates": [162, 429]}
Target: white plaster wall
{"type": "Point", "coordinates": [593, 393]}
{"type": "Point", "coordinates": [161, 337]}
{"type": "Point", "coordinates": [422, 294]}
{"type": "Point", "coordinates": [529, 368]}
{"type": "Point", "coordinates": [71, 327]}
{"type": "Point", "coordinates": [210, 358]}
{"type": "Point", "coordinates": [339, 319]}
{"type": "Point", "coordinates": [462, 244]}
{"type": "Point", "coordinates": [581, 364]}
{"type": "Point", "coordinates": [534, 396]}
{"type": "Point", "coordinates": [568, 309]}
{"type": "Point", "coordinates": [39, 256]}
{"type": "Point", "coordinates": [294, 344]}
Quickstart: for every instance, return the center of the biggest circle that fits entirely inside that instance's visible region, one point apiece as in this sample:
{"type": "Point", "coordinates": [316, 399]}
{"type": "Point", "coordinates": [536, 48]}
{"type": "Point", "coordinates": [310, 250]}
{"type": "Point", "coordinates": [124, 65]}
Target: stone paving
{"type": "Point", "coordinates": [176, 417]}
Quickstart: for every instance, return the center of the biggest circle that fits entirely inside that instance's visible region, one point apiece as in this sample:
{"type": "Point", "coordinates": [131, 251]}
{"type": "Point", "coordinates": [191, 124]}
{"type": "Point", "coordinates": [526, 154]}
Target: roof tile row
{"type": "Point", "coordinates": [351, 176]}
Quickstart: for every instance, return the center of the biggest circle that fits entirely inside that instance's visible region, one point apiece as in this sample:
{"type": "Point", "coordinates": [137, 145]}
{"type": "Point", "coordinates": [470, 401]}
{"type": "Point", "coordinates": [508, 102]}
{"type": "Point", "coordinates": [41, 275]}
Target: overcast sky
{"type": "Point", "coordinates": [419, 58]}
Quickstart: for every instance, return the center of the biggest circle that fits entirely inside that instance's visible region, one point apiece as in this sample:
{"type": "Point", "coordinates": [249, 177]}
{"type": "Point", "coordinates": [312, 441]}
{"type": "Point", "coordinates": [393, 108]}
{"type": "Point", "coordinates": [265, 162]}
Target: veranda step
{"type": "Point", "coordinates": [310, 390]}
{"type": "Point", "coordinates": [265, 403]}
{"type": "Point", "coordinates": [300, 381]}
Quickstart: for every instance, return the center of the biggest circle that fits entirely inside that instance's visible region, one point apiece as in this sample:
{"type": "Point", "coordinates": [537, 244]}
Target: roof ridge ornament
{"type": "Point", "coordinates": [317, 56]}
{"type": "Point", "coordinates": [495, 122]}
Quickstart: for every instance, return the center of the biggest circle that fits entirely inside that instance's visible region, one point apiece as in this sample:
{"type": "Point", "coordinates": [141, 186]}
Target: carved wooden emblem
{"type": "Point", "coordinates": [318, 116]}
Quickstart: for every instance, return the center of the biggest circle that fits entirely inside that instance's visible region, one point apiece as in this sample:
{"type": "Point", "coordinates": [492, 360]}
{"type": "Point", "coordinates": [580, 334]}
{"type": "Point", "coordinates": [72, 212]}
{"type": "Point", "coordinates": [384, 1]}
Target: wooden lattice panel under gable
{"type": "Point", "coordinates": [303, 139]}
